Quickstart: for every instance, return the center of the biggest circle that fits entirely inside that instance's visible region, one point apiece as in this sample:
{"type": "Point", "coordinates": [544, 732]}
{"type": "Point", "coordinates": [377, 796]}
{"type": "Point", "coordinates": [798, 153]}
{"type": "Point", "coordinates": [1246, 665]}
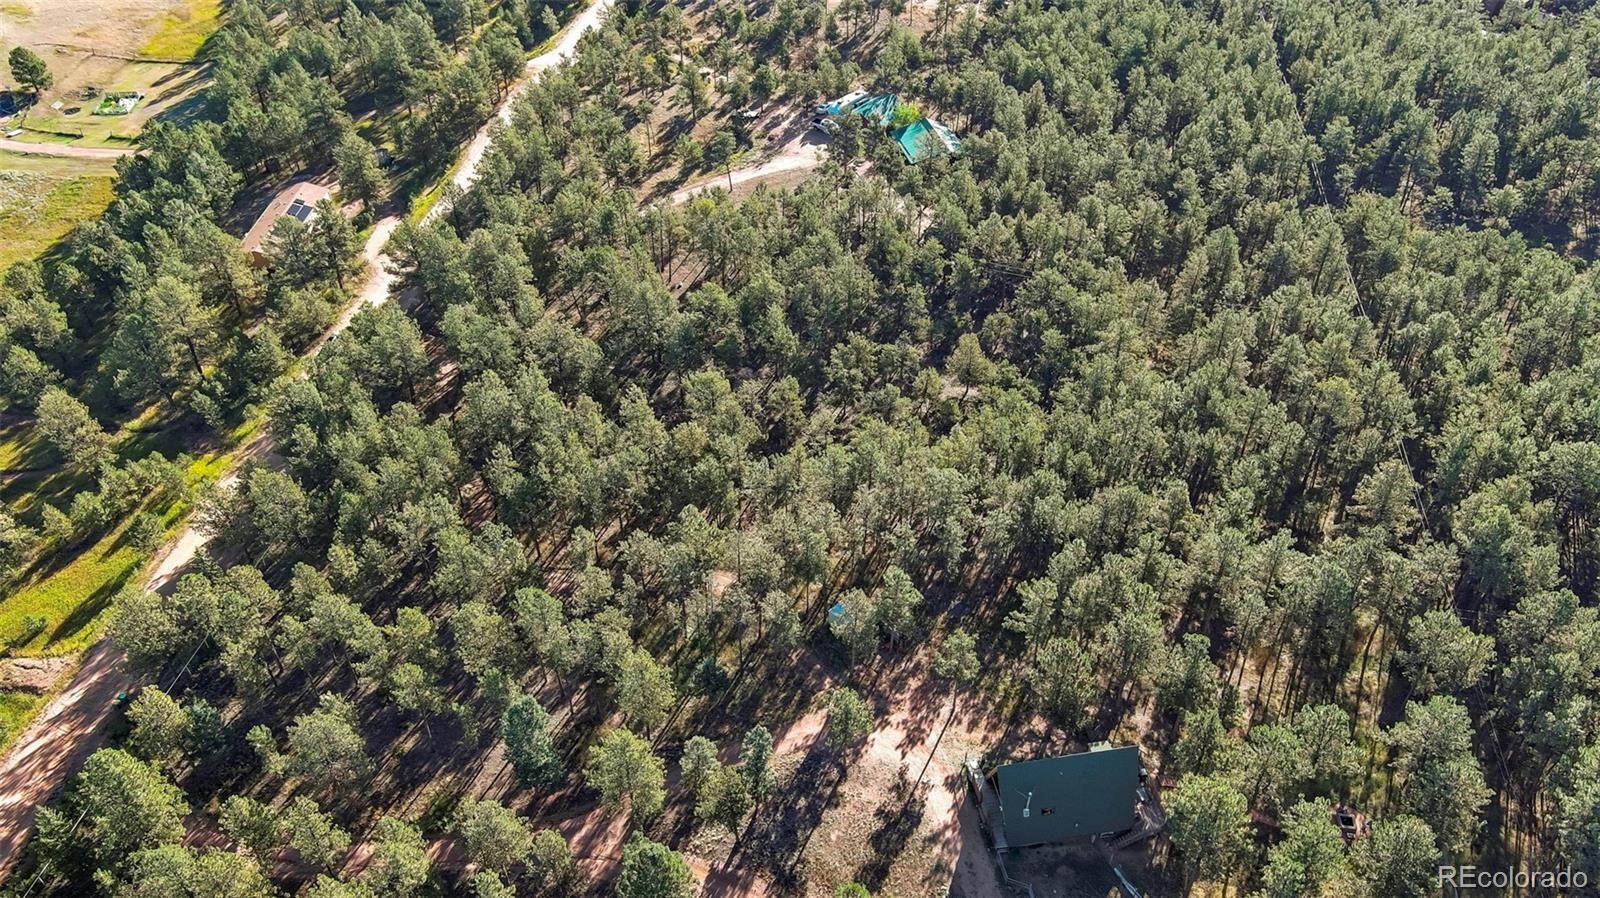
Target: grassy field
{"type": "Point", "coordinates": [16, 709]}
{"type": "Point", "coordinates": [73, 597]}
{"type": "Point", "coordinates": [41, 198]}
{"type": "Point", "coordinates": [22, 446]}
{"type": "Point", "coordinates": [183, 30]}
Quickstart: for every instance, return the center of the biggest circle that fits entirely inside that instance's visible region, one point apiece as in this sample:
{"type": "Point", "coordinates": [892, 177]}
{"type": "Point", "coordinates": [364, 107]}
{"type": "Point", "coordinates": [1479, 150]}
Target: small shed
{"type": "Point", "coordinates": [1065, 798]}
{"type": "Point", "coordinates": [297, 201]}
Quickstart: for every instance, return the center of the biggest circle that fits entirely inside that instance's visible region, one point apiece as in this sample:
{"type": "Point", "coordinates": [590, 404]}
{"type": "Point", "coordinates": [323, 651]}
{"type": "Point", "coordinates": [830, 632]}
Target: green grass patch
{"type": "Point", "coordinates": [25, 493]}
{"type": "Point", "coordinates": [184, 30]}
{"type": "Point", "coordinates": [37, 208]}
{"type": "Point", "coordinates": [73, 598]}
{"type": "Point", "coordinates": [16, 10]}
{"type": "Point", "coordinates": [208, 467]}
{"type": "Point", "coordinates": [247, 428]}
{"type": "Point", "coordinates": [425, 203]}
{"type": "Point", "coordinates": [17, 710]}
{"type": "Point", "coordinates": [21, 446]}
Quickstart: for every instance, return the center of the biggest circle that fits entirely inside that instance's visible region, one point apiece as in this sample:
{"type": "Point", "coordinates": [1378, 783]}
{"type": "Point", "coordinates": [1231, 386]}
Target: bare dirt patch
{"type": "Point", "coordinates": [893, 815]}
{"type": "Point", "coordinates": [112, 27]}
{"type": "Point", "coordinates": [32, 675]}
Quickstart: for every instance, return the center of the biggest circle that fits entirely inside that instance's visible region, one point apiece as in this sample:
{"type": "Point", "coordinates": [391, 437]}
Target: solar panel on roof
{"type": "Point", "coordinates": [300, 210]}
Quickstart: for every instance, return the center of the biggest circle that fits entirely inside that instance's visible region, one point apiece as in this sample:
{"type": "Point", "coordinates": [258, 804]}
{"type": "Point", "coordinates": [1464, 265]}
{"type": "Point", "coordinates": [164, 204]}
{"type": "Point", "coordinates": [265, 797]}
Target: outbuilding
{"type": "Point", "coordinates": [925, 139]}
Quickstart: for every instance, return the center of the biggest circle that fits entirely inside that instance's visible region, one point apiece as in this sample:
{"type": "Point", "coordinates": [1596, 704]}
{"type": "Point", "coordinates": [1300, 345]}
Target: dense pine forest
{"type": "Point", "coordinates": [1229, 395]}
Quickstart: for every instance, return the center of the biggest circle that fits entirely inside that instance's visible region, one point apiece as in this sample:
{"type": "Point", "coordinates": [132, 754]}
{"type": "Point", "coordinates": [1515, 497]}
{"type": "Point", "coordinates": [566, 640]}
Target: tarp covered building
{"type": "Point", "coordinates": [920, 140]}
{"type": "Point", "coordinates": [927, 139]}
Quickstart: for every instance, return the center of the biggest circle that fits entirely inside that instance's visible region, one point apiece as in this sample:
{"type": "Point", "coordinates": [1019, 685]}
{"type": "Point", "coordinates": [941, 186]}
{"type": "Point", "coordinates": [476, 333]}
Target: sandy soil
{"type": "Point", "coordinates": [97, 26]}
{"type": "Point", "coordinates": [802, 153]}
{"type": "Point", "coordinates": [71, 727]}
{"type": "Point", "coordinates": [35, 675]}
{"type": "Point", "coordinates": [915, 838]}
{"type": "Point", "coordinates": [379, 279]}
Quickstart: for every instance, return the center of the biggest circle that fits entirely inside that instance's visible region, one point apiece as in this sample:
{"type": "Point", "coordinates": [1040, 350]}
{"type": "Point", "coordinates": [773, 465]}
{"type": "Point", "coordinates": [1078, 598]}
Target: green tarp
{"type": "Point", "coordinates": [922, 139]}
{"type": "Point", "coordinates": [927, 139]}
{"type": "Point", "coordinates": [877, 109]}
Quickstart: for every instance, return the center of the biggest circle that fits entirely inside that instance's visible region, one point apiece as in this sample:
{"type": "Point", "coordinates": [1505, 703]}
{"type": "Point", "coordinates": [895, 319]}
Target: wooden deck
{"type": "Point", "coordinates": [988, 805]}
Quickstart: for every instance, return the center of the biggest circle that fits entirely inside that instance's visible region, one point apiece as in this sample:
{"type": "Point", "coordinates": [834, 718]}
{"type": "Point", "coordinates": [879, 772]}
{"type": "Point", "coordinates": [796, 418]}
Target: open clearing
{"type": "Point", "coordinates": [95, 47]}
{"type": "Point", "coordinates": [41, 198]}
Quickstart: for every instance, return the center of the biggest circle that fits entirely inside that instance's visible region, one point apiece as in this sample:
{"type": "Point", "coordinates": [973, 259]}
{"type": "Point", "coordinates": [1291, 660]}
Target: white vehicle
{"type": "Point", "coordinates": [842, 104]}
{"type": "Point", "coordinates": [826, 125]}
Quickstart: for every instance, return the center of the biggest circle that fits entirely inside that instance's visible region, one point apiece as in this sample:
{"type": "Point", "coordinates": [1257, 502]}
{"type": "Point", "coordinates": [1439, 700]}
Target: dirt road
{"type": "Point", "coordinates": [802, 153]}
{"type": "Point", "coordinates": [73, 725]}
{"type": "Point", "coordinates": [66, 150]}
{"type": "Point", "coordinates": [472, 156]}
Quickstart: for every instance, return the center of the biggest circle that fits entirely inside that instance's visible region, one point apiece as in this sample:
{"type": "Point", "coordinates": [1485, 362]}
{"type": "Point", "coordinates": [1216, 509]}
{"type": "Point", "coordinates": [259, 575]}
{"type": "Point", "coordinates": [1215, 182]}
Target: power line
{"type": "Point", "coordinates": [45, 867]}
{"type": "Point", "coordinates": [1349, 275]}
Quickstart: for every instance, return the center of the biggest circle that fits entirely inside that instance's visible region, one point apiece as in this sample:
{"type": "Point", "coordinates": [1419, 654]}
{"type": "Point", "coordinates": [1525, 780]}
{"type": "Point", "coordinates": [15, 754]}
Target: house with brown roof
{"type": "Point", "coordinates": [298, 201]}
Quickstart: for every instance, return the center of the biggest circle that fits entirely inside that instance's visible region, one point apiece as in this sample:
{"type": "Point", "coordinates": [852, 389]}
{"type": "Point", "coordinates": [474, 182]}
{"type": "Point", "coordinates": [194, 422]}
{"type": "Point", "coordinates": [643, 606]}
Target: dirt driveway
{"type": "Point", "coordinates": [801, 153]}
{"type": "Point", "coordinates": [64, 150]}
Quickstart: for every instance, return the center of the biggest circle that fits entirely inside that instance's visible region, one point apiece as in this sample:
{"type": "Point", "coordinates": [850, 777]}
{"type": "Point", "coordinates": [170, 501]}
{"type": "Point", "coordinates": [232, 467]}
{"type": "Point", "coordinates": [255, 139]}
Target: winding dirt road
{"type": "Point", "coordinates": [73, 725]}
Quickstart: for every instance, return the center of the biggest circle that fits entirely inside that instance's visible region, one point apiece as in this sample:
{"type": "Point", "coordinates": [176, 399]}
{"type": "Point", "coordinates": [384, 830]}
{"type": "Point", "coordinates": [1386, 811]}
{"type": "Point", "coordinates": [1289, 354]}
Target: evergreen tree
{"type": "Point", "coordinates": [525, 728]}
{"type": "Point", "coordinates": [624, 769]}
{"type": "Point", "coordinates": [30, 71]}
{"type": "Point", "coordinates": [652, 870]}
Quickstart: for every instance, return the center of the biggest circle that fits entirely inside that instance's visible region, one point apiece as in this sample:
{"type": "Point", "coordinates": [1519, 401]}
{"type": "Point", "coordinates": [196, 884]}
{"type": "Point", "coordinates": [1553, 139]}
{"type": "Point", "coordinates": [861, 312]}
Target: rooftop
{"type": "Point", "coordinates": [1068, 797]}
{"type": "Point", "coordinates": [298, 200]}
{"type": "Point", "coordinates": [926, 138]}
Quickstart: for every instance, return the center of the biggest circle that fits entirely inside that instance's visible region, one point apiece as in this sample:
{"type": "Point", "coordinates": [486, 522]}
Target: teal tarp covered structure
{"type": "Point", "coordinates": [877, 109]}
{"type": "Point", "coordinates": [927, 139]}
{"type": "Point", "coordinates": [1070, 797]}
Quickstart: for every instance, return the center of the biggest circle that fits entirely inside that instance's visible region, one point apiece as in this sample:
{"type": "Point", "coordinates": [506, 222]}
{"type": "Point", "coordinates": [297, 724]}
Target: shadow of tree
{"type": "Point", "coordinates": [898, 820]}
{"type": "Point", "coordinates": [778, 834]}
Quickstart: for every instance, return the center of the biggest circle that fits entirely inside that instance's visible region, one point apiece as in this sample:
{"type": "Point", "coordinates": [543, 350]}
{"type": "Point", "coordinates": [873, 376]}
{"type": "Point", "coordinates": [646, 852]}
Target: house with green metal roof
{"type": "Point", "coordinates": [1061, 799]}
